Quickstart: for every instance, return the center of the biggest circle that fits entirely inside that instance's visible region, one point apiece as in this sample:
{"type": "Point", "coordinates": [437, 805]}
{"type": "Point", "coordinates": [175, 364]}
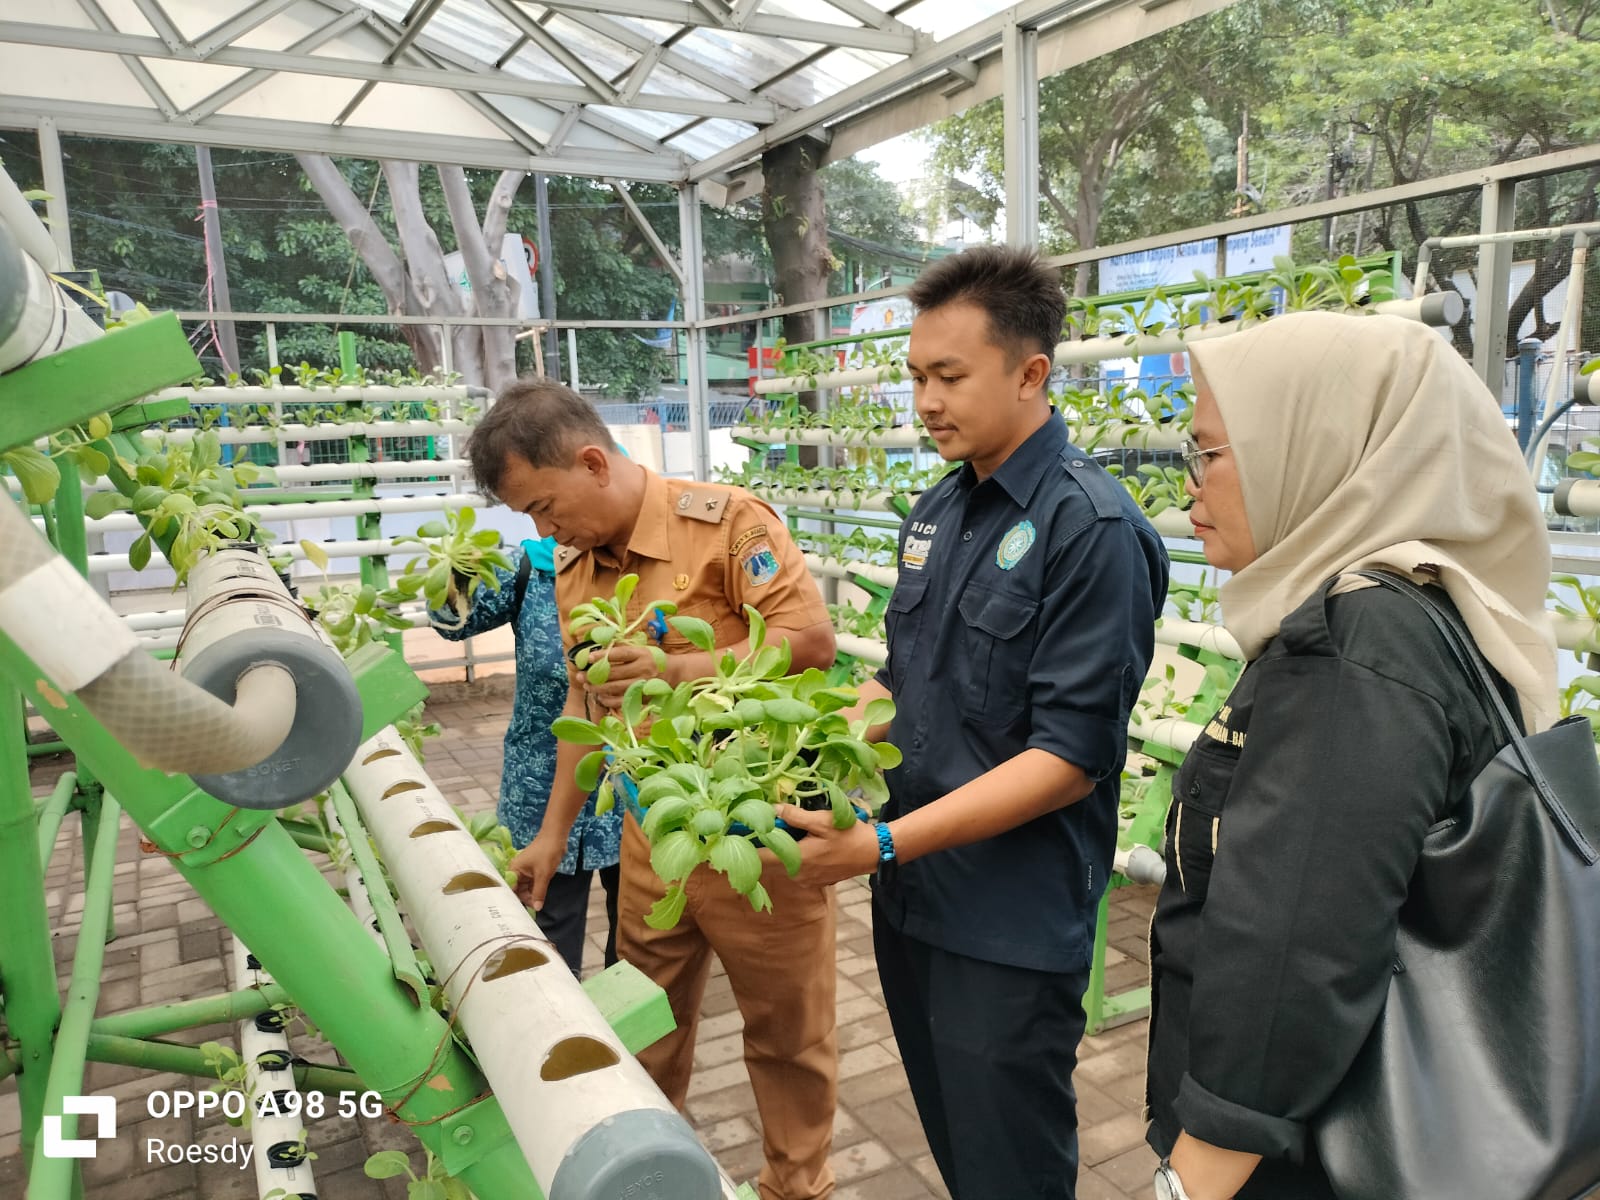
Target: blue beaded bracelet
{"type": "Point", "coordinates": [885, 842]}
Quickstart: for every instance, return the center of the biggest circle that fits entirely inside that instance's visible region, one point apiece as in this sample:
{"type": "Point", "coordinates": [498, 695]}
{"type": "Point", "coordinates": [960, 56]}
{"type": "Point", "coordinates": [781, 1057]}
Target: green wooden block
{"type": "Point", "coordinates": [636, 1009]}
{"type": "Point", "coordinates": [99, 376]}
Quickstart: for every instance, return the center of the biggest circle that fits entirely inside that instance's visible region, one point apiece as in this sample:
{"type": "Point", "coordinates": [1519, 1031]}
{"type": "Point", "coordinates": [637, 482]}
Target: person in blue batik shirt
{"type": "Point", "coordinates": [530, 748]}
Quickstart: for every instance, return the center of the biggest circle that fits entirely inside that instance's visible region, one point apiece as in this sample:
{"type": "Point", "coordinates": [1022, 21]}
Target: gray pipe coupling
{"type": "Point", "coordinates": [241, 616]}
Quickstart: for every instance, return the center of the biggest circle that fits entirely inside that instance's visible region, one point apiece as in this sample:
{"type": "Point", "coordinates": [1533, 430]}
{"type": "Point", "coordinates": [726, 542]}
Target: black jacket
{"type": "Point", "coordinates": [1296, 823]}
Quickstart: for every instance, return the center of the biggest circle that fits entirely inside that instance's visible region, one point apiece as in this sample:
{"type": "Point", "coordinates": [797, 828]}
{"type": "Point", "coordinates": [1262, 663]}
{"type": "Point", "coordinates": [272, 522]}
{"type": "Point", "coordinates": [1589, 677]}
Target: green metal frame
{"type": "Point", "coordinates": [248, 866]}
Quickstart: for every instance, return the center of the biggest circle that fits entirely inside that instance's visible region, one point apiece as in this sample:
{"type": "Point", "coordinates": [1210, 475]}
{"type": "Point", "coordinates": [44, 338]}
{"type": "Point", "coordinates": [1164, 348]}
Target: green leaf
{"type": "Point", "coordinates": [737, 859]}
{"type": "Point", "coordinates": [432, 529]}
{"type": "Point", "coordinates": [667, 911]}
{"type": "Point", "coordinates": [605, 798]}
{"type": "Point", "coordinates": [577, 731]}
{"type": "Point", "coordinates": [782, 843]}
{"type": "Point", "coordinates": [787, 711]}
{"type": "Point", "coordinates": [666, 814]}
{"type": "Point", "coordinates": [625, 589]}
{"type": "Point", "coordinates": [37, 474]}
{"type": "Point", "coordinates": [879, 711]}
{"type": "Point", "coordinates": [139, 552]}
{"type": "Point", "coordinates": [387, 1164]}
{"type": "Point", "coordinates": [659, 787]}
{"type": "Point", "coordinates": [103, 504]}
{"type": "Point", "coordinates": [633, 703]}
{"type": "Point", "coordinates": [426, 1189]}
{"type": "Point", "coordinates": [315, 553]}
{"type": "Point", "coordinates": [754, 815]}
{"type": "Point", "coordinates": [759, 900]}
{"type": "Point", "coordinates": [599, 672]}
{"type": "Point", "coordinates": [889, 756]}
{"type": "Point", "coordinates": [708, 823]}
{"type": "Point", "coordinates": [589, 767]}
{"type": "Point", "coordinates": [676, 854]}
{"type": "Point", "coordinates": [700, 633]}
{"type": "Point", "coordinates": [758, 626]}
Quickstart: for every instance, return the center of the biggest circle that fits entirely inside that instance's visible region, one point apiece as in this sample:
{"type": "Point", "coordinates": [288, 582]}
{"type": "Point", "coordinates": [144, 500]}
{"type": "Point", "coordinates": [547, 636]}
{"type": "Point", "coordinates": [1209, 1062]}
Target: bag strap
{"type": "Point", "coordinates": [524, 570]}
{"type": "Point", "coordinates": [1470, 659]}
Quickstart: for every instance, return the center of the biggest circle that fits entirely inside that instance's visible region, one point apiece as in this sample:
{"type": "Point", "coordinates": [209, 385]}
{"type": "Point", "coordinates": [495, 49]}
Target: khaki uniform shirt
{"type": "Point", "coordinates": [706, 547]}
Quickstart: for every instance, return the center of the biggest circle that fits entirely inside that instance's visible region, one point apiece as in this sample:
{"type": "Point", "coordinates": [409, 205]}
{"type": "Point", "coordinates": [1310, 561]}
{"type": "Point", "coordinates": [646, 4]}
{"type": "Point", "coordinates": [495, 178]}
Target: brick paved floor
{"type": "Point", "coordinates": [171, 947]}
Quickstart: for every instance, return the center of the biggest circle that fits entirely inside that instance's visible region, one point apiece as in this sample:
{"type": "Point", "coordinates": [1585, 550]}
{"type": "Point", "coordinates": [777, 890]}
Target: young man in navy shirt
{"type": "Point", "coordinates": [1020, 631]}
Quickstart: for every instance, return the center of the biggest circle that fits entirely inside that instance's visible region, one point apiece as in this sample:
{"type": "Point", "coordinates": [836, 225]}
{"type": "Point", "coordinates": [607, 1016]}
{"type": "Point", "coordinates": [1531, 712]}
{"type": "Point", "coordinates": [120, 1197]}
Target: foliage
{"type": "Point", "coordinates": [710, 757]}
{"type": "Point", "coordinates": [435, 1183]}
{"type": "Point", "coordinates": [182, 488]}
{"type": "Point", "coordinates": [455, 556]}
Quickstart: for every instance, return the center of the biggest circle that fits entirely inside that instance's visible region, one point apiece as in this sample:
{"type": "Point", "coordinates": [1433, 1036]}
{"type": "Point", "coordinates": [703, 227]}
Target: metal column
{"type": "Point", "coordinates": [691, 248]}
{"type": "Point", "coordinates": [55, 183]}
{"type": "Point", "coordinates": [1020, 65]}
{"type": "Point", "coordinates": [1494, 284]}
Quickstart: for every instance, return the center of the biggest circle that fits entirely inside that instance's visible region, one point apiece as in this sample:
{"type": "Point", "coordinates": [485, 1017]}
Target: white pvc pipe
{"type": "Point", "coordinates": [903, 436]}
{"type": "Point", "coordinates": [266, 1130]}
{"type": "Point", "coordinates": [407, 394]}
{"type": "Point", "coordinates": [106, 564]}
{"type": "Point", "coordinates": [1174, 733]}
{"type": "Point", "coordinates": [32, 238]}
{"type": "Point", "coordinates": [1437, 308]}
{"type": "Point", "coordinates": [294, 432]}
{"type": "Point", "coordinates": [1173, 523]}
{"type": "Point", "coordinates": [312, 509]}
{"type": "Point", "coordinates": [1127, 436]}
{"type": "Point", "coordinates": [420, 468]}
{"type": "Point", "coordinates": [1140, 864]}
{"type": "Point", "coordinates": [868, 650]}
{"type": "Point", "coordinates": [520, 1005]}
{"type": "Point", "coordinates": [832, 501]}
{"type": "Point", "coordinates": [839, 568]}
{"type": "Point", "coordinates": [1171, 631]}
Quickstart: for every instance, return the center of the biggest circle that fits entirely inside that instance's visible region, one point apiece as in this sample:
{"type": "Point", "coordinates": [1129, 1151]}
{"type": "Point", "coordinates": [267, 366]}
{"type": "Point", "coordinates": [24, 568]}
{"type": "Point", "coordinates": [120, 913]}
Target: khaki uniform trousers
{"type": "Point", "coordinates": [782, 967]}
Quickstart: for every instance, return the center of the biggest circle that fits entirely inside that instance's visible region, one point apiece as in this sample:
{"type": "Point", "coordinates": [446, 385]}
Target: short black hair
{"type": "Point", "coordinates": [1022, 296]}
{"type": "Point", "coordinates": [539, 419]}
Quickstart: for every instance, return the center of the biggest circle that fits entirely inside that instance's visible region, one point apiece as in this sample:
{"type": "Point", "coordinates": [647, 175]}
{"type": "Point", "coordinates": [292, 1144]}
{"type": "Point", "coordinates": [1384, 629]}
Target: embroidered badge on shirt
{"type": "Point", "coordinates": [760, 564]}
{"type": "Point", "coordinates": [918, 545]}
{"type": "Point", "coordinates": [1017, 542]}
{"type": "Point", "coordinates": [681, 582]}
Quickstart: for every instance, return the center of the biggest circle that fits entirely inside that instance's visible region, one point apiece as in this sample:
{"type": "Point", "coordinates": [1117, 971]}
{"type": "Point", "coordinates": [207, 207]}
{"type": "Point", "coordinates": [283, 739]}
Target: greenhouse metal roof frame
{"type": "Point", "coordinates": [671, 91]}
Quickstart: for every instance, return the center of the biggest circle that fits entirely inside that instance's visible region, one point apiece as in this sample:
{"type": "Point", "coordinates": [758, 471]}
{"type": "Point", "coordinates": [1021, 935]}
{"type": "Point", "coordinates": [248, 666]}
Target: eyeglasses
{"type": "Point", "coordinates": [1194, 459]}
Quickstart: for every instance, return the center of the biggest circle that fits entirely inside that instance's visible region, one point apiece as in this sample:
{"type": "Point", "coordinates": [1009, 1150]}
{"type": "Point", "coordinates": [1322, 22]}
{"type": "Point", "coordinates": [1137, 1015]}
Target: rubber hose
{"type": "Point", "coordinates": [163, 720]}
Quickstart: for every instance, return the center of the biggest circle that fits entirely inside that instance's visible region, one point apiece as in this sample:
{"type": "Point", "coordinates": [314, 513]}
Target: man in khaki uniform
{"type": "Point", "coordinates": [710, 549]}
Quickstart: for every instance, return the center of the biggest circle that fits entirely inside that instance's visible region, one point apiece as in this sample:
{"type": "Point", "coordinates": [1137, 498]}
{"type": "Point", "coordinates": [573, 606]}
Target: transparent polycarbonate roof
{"type": "Point", "coordinates": [638, 89]}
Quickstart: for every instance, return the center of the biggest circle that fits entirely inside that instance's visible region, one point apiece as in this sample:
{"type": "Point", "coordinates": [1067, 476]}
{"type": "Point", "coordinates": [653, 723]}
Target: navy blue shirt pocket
{"type": "Point", "coordinates": [902, 622]}
{"type": "Point", "coordinates": [998, 651]}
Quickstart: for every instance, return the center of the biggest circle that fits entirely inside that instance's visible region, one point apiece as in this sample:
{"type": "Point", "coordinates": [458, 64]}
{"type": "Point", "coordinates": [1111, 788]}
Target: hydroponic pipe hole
{"type": "Point", "coordinates": [509, 962]}
{"type": "Point", "coordinates": [377, 754]}
{"type": "Point", "coordinates": [273, 1060]}
{"type": "Point", "coordinates": [433, 825]}
{"type": "Point", "coordinates": [286, 1154]}
{"type": "Point", "coordinates": [576, 1056]}
{"type": "Point", "coordinates": [470, 881]}
{"type": "Point", "coordinates": [405, 785]}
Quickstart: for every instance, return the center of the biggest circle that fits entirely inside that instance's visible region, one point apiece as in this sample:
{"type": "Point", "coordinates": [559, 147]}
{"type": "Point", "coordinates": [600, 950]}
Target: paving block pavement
{"type": "Point", "coordinates": [171, 947]}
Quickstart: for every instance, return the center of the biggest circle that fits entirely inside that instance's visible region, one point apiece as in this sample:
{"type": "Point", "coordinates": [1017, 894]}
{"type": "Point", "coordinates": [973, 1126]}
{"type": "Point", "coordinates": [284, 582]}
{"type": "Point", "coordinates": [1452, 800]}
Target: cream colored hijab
{"type": "Point", "coordinates": [1366, 441]}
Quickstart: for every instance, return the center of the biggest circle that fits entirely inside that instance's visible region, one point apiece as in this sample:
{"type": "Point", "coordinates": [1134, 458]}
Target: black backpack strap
{"type": "Point", "coordinates": [520, 589]}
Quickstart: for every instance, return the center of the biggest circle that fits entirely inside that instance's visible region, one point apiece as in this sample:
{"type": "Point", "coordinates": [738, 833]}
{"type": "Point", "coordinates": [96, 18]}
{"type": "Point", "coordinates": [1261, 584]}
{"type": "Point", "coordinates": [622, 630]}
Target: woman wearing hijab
{"type": "Point", "coordinates": [1325, 445]}
{"type": "Point", "coordinates": [526, 599]}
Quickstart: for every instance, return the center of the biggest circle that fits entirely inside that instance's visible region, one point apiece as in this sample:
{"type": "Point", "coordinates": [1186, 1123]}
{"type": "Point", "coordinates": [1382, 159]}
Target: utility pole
{"type": "Point", "coordinates": [216, 263]}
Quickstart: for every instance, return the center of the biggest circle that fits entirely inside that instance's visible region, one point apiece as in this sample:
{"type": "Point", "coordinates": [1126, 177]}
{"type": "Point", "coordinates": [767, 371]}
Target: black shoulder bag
{"type": "Point", "coordinates": [1481, 1079]}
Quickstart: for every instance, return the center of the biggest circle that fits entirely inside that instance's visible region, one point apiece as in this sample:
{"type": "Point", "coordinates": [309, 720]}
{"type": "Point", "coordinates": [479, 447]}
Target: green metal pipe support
{"type": "Point", "coordinates": [306, 835]}
{"type": "Point", "coordinates": [72, 538]}
{"type": "Point", "coordinates": [32, 1005]}
{"type": "Point", "coordinates": [191, 1060]}
{"type": "Point", "coordinates": [40, 749]}
{"type": "Point", "coordinates": [52, 1178]}
{"type": "Point", "coordinates": [158, 1019]}
{"type": "Point", "coordinates": [264, 888]}
{"type": "Point", "coordinates": [51, 815]}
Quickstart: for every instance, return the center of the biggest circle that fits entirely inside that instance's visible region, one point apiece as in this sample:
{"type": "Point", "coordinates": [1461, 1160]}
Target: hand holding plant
{"type": "Point", "coordinates": [453, 551]}
{"type": "Point", "coordinates": [707, 760]}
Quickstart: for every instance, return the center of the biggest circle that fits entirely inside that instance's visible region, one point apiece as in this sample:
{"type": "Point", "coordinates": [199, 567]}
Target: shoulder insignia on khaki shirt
{"type": "Point", "coordinates": [702, 504]}
{"type": "Point", "coordinates": [565, 556]}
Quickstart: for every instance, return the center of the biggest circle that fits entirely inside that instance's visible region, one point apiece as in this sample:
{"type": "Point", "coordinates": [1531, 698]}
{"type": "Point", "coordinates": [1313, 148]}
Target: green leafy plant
{"type": "Point", "coordinates": [710, 757]}
{"type": "Point", "coordinates": [454, 551]}
{"type": "Point", "coordinates": [434, 1184]}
